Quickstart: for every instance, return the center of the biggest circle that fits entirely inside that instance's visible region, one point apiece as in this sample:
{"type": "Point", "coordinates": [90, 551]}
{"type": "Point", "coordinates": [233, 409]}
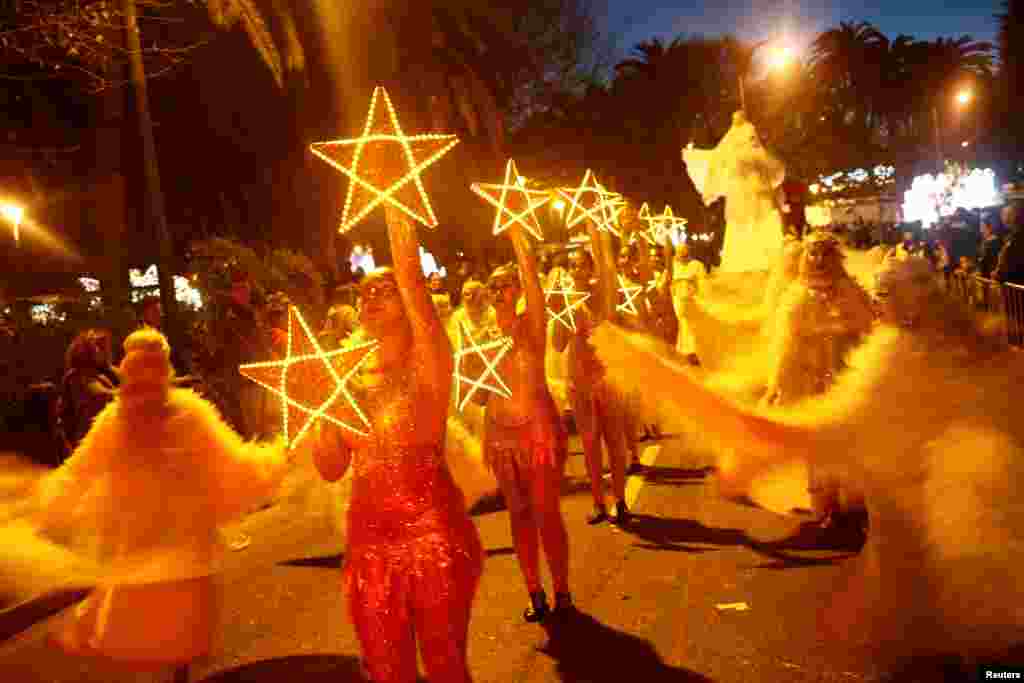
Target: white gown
{"type": "Point", "coordinates": [748, 176]}
{"type": "Point", "coordinates": [927, 421]}
{"type": "Point", "coordinates": [688, 283]}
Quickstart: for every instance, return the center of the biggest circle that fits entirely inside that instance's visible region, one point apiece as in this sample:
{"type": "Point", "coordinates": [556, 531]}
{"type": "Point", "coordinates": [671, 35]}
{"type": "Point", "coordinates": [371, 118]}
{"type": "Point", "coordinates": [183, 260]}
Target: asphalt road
{"type": "Point", "coordinates": [686, 593]}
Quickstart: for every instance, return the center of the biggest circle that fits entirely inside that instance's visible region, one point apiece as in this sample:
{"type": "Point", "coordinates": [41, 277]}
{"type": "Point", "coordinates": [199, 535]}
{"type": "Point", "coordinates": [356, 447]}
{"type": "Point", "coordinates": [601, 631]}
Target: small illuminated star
{"type": "Point", "coordinates": [496, 350]}
{"type": "Point", "coordinates": [312, 383]}
{"type": "Point", "coordinates": [566, 315]}
{"type": "Point", "coordinates": [525, 202]}
{"type": "Point", "coordinates": [629, 293]}
{"type": "Point", "coordinates": [384, 165]}
{"type": "Point", "coordinates": [644, 214]}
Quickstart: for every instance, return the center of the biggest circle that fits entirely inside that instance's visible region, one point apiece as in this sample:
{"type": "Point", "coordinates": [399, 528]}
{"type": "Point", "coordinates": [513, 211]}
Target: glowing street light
{"type": "Point", "coordinates": [780, 58]}
{"type": "Point", "coordinates": [964, 143]}
{"type": "Point", "coordinates": [963, 97]}
{"type": "Point", "coordinates": [14, 214]}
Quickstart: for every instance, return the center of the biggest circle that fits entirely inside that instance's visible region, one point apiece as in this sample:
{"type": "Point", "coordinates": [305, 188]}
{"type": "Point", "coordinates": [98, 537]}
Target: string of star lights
{"type": "Point", "coordinates": [467, 346]}
{"type": "Point", "coordinates": [590, 201]}
{"type": "Point", "coordinates": [377, 173]}
{"type": "Point", "coordinates": [525, 202]}
{"type": "Point", "coordinates": [629, 293]}
{"type": "Point", "coordinates": [311, 383]}
{"type": "Point", "coordinates": [565, 290]}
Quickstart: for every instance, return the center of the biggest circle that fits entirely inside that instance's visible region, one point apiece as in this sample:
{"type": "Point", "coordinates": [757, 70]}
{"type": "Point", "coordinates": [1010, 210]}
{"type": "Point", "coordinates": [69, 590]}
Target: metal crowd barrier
{"type": "Point", "coordinates": [1002, 299]}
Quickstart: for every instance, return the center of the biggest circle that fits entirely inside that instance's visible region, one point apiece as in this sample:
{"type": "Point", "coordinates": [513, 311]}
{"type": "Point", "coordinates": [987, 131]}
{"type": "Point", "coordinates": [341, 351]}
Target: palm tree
{"type": "Point", "coordinates": [848, 59]}
{"type": "Point", "coordinates": [1011, 38]}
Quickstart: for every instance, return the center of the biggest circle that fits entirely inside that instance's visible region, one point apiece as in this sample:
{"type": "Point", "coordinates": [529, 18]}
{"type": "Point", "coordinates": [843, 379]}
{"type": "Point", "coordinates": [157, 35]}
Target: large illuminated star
{"type": "Point", "coordinates": [564, 290]}
{"type": "Point", "coordinates": [524, 202]}
{"type": "Point", "coordinates": [613, 206]}
{"type": "Point", "coordinates": [496, 350]}
{"type": "Point", "coordinates": [384, 165]}
{"type": "Point", "coordinates": [629, 293]}
{"type": "Point", "coordinates": [311, 383]}
{"type": "Point", "coordinates": [590, 201]}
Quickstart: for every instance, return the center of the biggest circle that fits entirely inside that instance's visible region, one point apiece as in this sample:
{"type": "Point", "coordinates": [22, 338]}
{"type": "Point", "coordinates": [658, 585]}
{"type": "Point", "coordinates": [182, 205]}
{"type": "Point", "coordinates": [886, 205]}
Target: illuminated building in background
{"type": "Point", "coordinates": [932, 197]}
{"type": "Point", "coordinates": [147, 283]}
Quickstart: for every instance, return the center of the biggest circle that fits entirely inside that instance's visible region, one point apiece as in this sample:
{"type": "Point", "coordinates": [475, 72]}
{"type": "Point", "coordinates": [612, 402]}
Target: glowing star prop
{"type": "Point", "coordinates": [590, 201]}
{"type": "Point", "coordinates": [566, 315]}
{"type": "Point", "coordinates": [644, 214]}
{"type": "Point", "coordinates": [668, 224]}
{"type": "Point", "coordinates": [524, 202]}
{"type": "Point", "coordinates": [629, 293]}
{"type": "Point", "coordinates": [311, 383]}
{"type": "Point", "coordinates": [496, 350]}
{"type": "Point", "coordinates": [384, 165]}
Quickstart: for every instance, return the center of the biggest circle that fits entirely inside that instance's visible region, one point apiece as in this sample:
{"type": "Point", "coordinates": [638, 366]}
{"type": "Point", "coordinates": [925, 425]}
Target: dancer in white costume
{"type": "Point", "coordinates": [748, 176]}
{"type": "Point", "coordinates": [926, 419]}
{"type": "Point", "coordinates": [688, 276]}
{"type": "Point", "coordinates": [820, 319]}
{"type": "Point", "coordinates": [135, 512]}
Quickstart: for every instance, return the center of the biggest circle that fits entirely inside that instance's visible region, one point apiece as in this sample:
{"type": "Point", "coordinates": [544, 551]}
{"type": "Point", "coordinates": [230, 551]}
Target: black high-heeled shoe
{"type": "Point", "coordinates": [599, 515]}
{"type": "Point", "coordinates": [622, 514]}
{"type": "Point", "coordinates": [563, 604]}
{"type": "Point", "coordinates": [538, 608]}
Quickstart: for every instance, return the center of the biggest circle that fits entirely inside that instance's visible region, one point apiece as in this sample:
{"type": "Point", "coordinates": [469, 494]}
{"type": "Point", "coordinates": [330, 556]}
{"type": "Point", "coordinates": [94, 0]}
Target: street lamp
{"type": "Point", "coordinates": [14, 214]}
{"type": "Point", "coordinates": [962, 99]}
{"type": "Point", "coordinates": [780, 58]}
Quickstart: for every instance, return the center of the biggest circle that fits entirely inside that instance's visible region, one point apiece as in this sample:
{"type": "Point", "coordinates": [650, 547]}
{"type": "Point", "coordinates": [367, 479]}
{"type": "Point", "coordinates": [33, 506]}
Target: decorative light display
{"type": "Point", "coordinates": [490, 353]}
{"type": "Point", "coordinates": [629, 293]}
{"type": "Point", "coordinates": [89, 284]}
{"type": "Point", "coordinates": [46, 314]}
{"type": "Point", "coordinates": [140, 279]}
{"type": "Point", "coordinates": [524, 202]}
{"type": "Point", "coordinates": [146, 283]}
{"type": "Point", "coordinates": [362, 257]}
{"type": "Point", "coordinates": [186, 294]}
{"type": "Point", "coordinates": [384, 165]}
{"type": "Point", "coordinates": [853, 183]}
{"type": "Point", "coordinates": [565, 290]}
{"type": "Point", "coordinates": [590, 201]}
{"type": "Point", "coordinates": [311, 383]}
{"type": "Point", "coordinates": [932, 197]}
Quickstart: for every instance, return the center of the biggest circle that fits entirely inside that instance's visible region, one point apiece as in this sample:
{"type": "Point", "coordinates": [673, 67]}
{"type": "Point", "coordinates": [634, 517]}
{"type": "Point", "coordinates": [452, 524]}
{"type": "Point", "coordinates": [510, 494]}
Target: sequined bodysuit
{"type": "Point", "coordinates": [414, 557]}
{"type": "Point", "coordinates": [529, 418]}
{"type": "Point", "coordinates": [526, 447]}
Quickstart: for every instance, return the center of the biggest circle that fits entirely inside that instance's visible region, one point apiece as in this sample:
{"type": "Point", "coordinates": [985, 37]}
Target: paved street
{"type": "Point", "coordinates": [682, 596]}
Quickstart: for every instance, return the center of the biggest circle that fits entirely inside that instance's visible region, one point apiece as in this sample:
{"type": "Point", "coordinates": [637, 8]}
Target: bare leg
{"type": "Point", "coordinates": [613, 428]}
{"type": "Point", "coordinates": [523, 522]}
{"type": "Point", "coordinates": [546, 500]}
{"type": "Point", "coordinates": [583, 406]}
{"type": "Point", "coordinates": [593, 456]}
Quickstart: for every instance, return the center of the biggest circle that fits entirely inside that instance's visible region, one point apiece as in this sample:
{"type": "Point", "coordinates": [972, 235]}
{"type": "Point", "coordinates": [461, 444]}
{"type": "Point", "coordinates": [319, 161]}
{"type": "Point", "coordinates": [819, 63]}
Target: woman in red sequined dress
{"type": "Point", "coordinates": [525, 443]}
{"type": "Point", "coordinates": [414, 557]}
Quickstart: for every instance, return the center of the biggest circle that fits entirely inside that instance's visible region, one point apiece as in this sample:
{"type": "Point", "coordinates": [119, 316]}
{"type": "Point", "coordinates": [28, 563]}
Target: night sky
{"type": "Point", "coordinates": [799, 20]}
